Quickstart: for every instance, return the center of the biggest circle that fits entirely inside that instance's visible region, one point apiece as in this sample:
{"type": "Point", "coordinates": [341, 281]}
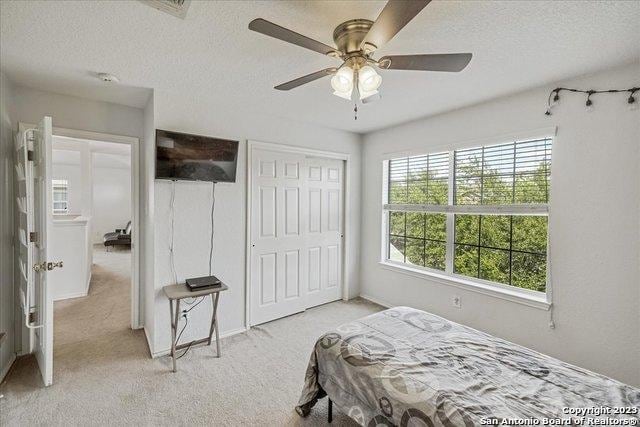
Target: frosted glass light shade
{"type": "Point", "coordinates": [342, 81]}
{"type": "Point", "coordinates": [366, 94]}
{"type": "Point", "coordinates": [368, 79]}
{"type": "Point", "coordinates": [346, 94]}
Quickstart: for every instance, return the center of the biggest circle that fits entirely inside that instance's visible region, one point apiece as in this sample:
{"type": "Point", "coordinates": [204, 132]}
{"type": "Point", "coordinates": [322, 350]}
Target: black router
{"type": "Point", "coordinates": [201, 283]}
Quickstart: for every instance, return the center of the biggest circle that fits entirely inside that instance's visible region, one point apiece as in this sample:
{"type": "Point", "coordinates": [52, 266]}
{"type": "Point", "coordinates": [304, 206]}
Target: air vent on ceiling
{"type": "Point", "coordinates": [172, 7]}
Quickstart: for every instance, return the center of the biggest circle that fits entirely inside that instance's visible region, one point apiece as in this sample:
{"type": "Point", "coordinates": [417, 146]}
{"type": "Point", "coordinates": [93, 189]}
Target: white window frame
{"type": "Point", "coordinates": [536, 299]}
{"type": "Point", "coordinates": [57, 184]}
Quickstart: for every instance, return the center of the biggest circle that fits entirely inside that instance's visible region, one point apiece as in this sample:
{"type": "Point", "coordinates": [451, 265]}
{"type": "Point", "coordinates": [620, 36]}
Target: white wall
{"type": "Point", "coordinates": [108, 200]}
{"type": "Point", "coordinates": [7, 297]}
{"type": "Point", "coordinates": [147, 226]}
{"type": "Point", "coordinates": [193, 209]}
{"type": "Point", "coordinates": [70, 241]}
{"type": "Point", "coordinates": [111, 197]}
{"type": "Point", "coordinates": [594, 224]}
{"type": "Point", "coordinates": [77, 113]}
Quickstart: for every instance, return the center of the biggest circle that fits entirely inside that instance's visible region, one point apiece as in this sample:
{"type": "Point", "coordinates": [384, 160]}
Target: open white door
{"type": "Point", "coordinates": [24, 262]}
{"type": "Point", "coordinates": [33, 170]}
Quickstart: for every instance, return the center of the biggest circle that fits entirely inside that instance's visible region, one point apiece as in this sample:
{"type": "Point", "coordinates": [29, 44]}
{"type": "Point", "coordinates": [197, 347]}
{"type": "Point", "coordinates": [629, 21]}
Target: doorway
{"type": "Point", "coordinates": [115, 165]}
{"type": "Point", "coordinates": [91, 199]}
{"type": "Point", "coordinates": [296, 230]}
{"type": "Point", "coordinates": [92, 217]}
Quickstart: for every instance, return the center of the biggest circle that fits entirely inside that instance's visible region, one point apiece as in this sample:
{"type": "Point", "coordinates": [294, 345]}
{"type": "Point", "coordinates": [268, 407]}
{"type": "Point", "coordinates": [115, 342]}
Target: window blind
{"type": "Point", "coordinates": [478, 212]}
{"type": "Point", "coordinates": [419, 179]}
{"type": "Point", "coordinates": [513, 173]}
{"type": "Point", "coordinates": [510, 178]}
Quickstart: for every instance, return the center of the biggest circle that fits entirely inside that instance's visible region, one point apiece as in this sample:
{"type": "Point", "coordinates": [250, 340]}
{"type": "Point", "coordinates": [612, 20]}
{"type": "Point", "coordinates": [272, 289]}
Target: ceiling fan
{"type": "Point", "coordinates": [356, 40]}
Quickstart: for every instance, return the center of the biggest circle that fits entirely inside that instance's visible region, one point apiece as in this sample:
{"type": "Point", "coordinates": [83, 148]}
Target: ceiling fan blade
{"type": "Point", "coordinates": [306, 79]}
{"type": "Point", "coordinates": [395, 15]}
{"type": "Point", "coordinates": [436, 62]}
{"type": "Point", "coordinates": [273, 30]}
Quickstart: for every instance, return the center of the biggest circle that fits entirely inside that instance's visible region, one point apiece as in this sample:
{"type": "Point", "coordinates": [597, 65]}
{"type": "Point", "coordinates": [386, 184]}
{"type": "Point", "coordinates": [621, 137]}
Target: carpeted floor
{"type": "Point", "coordinates": [103, 374]}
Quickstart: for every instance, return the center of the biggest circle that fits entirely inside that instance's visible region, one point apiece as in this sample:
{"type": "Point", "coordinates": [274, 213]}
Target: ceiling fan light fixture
{"type": "Point", "coordinates": [342, 82]}
{"type": "Point", "coordinates": [371, 98]}
{"type": "Point", "coordinates": [368, 79]}
{"type": "Point", "coordinates": [364, 94]}
{"type": "Point", "coordinates": [345, 94]}
{"type": "Point", "coordinates": [355, 41]}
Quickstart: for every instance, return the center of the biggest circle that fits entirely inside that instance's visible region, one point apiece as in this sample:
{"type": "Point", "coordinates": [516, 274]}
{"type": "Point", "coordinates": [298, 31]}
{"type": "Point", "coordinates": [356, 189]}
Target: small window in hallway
{"type": "Point", "coordinates": [60, 196]}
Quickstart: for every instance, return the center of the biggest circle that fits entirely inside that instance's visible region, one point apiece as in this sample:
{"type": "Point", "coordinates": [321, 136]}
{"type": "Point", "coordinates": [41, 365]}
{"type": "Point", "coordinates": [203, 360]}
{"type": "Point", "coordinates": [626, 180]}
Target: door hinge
{"type": "Point", "coordinates": [33, 317]}
{"type": "Point", "coordinates": [30, 155]}
{"type": "Point", "coordinates": [33, 237]}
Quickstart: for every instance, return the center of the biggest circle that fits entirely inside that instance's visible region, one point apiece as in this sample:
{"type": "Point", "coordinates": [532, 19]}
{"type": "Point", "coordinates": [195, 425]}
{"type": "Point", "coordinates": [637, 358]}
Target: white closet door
{"type": "Point", "coordinates": [325, 181]}
{"type": "Point", "coordinates": [278, 260]}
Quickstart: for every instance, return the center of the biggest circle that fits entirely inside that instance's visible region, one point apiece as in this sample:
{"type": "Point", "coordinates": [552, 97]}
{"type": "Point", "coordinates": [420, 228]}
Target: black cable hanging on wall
{"type": "Point", "coordinates": [554, 96]}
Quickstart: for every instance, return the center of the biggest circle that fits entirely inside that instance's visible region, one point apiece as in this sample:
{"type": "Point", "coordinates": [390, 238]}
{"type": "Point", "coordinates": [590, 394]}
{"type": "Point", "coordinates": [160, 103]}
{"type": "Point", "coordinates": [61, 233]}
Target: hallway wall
{"type": "Point", "coordinates": [7, 296]}
{"type": "Point", "coordinates": [111, 199]}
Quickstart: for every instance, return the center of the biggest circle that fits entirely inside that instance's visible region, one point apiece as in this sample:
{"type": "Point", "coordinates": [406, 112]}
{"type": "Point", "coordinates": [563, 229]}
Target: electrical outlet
{"type": "Point", "coordinates": [456, 301]}
{"type": "Point", "coordinates": [185, 314]}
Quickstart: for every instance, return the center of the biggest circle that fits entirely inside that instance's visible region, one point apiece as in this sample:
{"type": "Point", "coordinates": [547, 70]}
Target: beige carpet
{"type": "Point", "coordinates": [103, 374]}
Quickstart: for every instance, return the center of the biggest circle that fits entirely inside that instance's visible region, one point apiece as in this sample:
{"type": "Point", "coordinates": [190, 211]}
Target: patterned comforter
{"type": "Point", "coordinates": [406, 367]}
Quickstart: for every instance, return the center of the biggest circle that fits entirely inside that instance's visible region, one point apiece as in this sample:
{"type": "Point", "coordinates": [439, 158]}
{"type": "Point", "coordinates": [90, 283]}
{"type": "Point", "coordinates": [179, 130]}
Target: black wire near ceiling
{"type": "Point", "coordinates": [554, 96]}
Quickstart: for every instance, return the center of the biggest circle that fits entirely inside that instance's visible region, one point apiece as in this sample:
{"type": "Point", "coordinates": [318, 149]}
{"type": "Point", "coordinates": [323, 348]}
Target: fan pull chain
{"type": "Point", "coordinates": [355, 111]}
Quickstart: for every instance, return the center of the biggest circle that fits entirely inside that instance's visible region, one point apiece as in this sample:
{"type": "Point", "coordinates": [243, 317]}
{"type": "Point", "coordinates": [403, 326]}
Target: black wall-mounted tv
{"type": "Point", "coordinates": [181, 156]}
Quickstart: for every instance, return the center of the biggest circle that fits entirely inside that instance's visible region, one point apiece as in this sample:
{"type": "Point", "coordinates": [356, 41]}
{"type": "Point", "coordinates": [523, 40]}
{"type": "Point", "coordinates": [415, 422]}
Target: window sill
{"type": "Point", "coordinates": [515, 295]}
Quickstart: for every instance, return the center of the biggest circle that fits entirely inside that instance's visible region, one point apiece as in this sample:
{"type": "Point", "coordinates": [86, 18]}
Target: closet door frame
{"type": "Point", "coordinates": [348, 238]}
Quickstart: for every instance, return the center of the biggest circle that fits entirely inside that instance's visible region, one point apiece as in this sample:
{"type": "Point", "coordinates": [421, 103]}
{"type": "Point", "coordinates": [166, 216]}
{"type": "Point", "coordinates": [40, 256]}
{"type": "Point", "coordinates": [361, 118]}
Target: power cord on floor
{"type": "Point", "coordinates": [185, 351]}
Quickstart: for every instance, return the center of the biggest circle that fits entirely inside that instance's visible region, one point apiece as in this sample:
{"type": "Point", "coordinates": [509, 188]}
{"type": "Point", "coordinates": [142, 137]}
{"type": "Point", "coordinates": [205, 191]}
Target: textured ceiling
{"type": "Point", "coordinates": [58, 46]}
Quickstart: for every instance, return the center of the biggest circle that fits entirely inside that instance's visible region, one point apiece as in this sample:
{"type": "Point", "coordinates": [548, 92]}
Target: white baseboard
{"type": "Point", "coordinates": [86, 288]}
{"type": "Point", "coordinates": [70, 296]}
{"type": "Point", "coordinates": [161, 353]}
{"type": "Point", "coordinates": [149, 346]}
{"type": "Point", "coordinates": [76, 294]}
{"type": "Point", "coordinates": [7, 368]}
{"type": "Point", "coordinates": [376, 301]}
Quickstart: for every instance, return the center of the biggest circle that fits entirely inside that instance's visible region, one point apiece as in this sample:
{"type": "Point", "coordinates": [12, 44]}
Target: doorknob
{"type": "Point", "coordinates": [48, 266]}
{"type": "Point", "coordinates": [52, 265]}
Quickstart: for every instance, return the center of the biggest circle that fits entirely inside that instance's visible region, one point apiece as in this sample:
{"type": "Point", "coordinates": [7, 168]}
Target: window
{"type": "Point", "coordinates": [60, 196]}
{"type": "Point", "coordinates": [479, 212]}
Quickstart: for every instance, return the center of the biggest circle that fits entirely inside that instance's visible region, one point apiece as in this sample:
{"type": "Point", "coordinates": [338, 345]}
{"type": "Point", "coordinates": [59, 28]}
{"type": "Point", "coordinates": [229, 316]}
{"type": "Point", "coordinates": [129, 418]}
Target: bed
{"type": "Point", "coordinates": [404, 366]}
